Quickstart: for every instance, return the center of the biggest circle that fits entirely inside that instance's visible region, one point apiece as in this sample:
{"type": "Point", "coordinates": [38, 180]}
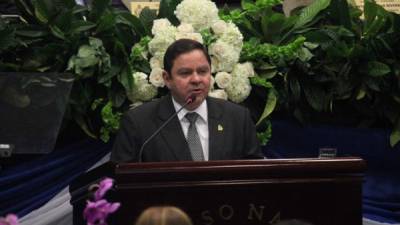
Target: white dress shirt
{"type": "Point", "coordinates": [201, 124]}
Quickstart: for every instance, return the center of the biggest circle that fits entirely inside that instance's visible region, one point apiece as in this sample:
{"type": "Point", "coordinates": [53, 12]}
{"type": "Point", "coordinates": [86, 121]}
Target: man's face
{"type": "Point", "coordinates": [190, 75]}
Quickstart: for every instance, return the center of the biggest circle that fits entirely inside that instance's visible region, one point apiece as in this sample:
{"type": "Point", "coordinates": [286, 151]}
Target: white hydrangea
{"type": "Point", "coordinates": [142, 90]}
{"type": "Point", "coordinates": [223, 56]}
{"type": "Point", "coordinates": [218, 93]}
{"type": "Point", "coordinates": [155, 62]}
{"type": "Point", "coordinates": [161, 42]}
{"type": "Point", "coordinates": [232, 36]}
{"type": "Point", "coordinates": [193, 36]}
{"type": "Point", "coordinates": [239, 89]}
{"type": "Point", "coordinates": [185, 28]}
{"type": "Point", "coordinates": [161, 26]}
{"type": "Point", "coordinates": [244, 69]}
{"type": "Point", "coordinates": [200, 13]}
{"type": "Point", "coordinates": [212, 82]}
{"type": "Point", "coordinates": [139, 78]}
{"type": "Point", "coordinates": [219, 27]}
{"type": "Point", "coordinates": [223, 79]}
{"type": "Point", "coordinates": [156, 78]}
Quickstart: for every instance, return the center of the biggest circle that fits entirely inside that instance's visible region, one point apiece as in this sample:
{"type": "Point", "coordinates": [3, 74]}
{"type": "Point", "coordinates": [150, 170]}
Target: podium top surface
{"type": "Point", "coordinates": [240, 169]}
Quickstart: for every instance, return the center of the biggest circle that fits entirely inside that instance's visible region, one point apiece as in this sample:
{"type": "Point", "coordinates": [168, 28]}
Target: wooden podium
{"type": "Point", "coordinates": [245, 192]}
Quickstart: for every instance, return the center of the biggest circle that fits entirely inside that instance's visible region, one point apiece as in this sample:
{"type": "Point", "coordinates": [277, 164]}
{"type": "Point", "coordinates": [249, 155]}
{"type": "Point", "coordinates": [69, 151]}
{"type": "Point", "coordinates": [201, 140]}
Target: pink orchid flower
{"type": "Point", "coordinates": [10, 219]}
{"type": "Point", "coordinates": [103, 187]}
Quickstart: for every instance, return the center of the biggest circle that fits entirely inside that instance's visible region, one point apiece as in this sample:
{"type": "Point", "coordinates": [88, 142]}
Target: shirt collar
{"type": "Point", "coordinates": [201, 110]}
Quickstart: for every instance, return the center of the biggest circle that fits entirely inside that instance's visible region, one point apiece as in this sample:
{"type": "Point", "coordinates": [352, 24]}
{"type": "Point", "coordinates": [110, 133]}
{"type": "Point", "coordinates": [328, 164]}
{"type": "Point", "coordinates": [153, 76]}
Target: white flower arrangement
{"type": "Point", "coordinates": [201, 14]}
{"type": "Point", "coordinates": [230, 79]}
{"type": "Point", "coordinates": [143, 90]}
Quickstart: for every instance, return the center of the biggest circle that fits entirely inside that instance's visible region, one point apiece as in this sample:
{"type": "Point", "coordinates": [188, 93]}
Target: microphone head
{"type": "Point", "coordinates": [191, 98]}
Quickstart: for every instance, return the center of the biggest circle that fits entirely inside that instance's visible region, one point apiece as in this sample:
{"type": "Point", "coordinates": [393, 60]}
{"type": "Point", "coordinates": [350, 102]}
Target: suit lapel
{"type": "Point", "coordinates": [172, 132]}
{"type": "Point", "coordinates": [215, 129]}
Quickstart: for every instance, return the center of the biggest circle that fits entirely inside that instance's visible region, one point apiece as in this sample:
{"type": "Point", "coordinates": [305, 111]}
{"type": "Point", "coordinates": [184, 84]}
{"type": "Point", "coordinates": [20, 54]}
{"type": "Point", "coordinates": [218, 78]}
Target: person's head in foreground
{"type": "Point", "coordinates": [187, 71]}
{"type": "Point", "coordinates": [163, 215]}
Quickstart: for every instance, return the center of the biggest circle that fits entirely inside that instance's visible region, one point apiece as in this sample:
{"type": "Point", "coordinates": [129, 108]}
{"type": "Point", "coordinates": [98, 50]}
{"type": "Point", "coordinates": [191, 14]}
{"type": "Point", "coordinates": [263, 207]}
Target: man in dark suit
{"type": "Point", "coordinates": [221, 130]}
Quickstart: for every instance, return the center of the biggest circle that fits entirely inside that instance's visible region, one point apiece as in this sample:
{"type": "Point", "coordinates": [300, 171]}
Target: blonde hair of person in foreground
{"type": "Point", "coordinates": [163, 215]}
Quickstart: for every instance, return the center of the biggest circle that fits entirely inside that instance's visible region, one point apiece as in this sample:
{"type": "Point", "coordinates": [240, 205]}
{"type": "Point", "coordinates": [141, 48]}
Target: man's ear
{"type": "Point", "coordinates": [166, 77]}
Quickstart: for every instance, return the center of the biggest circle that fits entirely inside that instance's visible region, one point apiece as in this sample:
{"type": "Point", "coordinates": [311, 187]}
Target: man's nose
{"type": "Point", "coordinates": [195, 77]}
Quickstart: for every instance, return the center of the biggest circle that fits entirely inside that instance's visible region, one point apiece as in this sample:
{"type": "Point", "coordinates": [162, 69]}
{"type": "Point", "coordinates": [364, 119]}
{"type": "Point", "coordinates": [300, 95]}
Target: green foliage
{"type": "Point", "coordinates": [93, 42]}
{"type": "Point", "coordinates": [265, 135]}
{"type": "Point", "coordinates": [324, 62]}
{"type": "Point", "coordinates": [111, 121]}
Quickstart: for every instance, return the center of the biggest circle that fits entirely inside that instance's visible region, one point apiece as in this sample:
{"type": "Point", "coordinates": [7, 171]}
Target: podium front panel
{"type": "Point", "coordinates": [323, 192]}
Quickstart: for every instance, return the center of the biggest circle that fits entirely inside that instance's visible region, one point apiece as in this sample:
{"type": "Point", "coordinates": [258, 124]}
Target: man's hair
{"type": "Point", "coordinates": [180, 47]}
{"type": "Point", "coordinates": [163, 215]}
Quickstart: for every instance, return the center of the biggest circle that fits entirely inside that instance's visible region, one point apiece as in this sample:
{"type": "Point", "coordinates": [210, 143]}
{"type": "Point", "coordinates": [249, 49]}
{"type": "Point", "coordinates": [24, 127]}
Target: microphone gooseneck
{"type": "Point", "coordinates": [189, 100]}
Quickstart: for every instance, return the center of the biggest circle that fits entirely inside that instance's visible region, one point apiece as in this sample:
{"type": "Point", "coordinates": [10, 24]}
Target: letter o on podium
{"type": "Point", "coordinates": [226, 212]}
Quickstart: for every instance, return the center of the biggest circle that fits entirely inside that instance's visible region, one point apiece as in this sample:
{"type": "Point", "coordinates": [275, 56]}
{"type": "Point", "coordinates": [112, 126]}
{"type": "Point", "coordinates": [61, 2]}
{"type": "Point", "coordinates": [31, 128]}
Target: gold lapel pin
{"type": "Point", "coordinates": [220, 128]}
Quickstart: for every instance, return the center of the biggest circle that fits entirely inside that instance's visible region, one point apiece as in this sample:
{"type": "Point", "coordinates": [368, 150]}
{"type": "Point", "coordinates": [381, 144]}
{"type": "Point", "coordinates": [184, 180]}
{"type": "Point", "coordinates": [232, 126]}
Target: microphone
{"type": "Point", "coordinates": [189, 100]}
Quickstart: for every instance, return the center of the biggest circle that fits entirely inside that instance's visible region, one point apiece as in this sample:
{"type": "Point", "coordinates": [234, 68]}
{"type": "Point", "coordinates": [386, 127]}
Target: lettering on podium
{"type": "Point", "coordinates": [227, 212]}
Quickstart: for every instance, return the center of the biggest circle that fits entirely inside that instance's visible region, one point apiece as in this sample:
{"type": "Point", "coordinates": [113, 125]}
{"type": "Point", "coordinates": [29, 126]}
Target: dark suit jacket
{"type": "Point", "coordinates": [236, 140]}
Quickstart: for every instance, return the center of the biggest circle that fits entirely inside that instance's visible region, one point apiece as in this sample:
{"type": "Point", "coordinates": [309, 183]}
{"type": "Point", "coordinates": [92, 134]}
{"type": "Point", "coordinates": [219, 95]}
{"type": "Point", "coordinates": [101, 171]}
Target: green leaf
{"type": "Point", "coordinates": [63, 20]}
{"type": "Point", "coordinates": [27, 10]}
{"type": "Point", "coordinates": [265, 136]}
{"type": "Point", "coordinates": [370, 10]}
{"type": "Point", "coordinates": [69, 4]}
{"type": "Point", "coordinates": [377, 69]}
{"type": "Point", "coordinates": [375, 18]}
{"type": "Point", "coordinates": [106, 22]}
{"type": "Point", "coordinates": [372, 84]}
{"type": "Point", "coordinates": [132, 21]}
{"type": "Point", "coordinates": [99, 7]}
{"type": "Point", "coordinates": [247, 4]}
{"type": "Point", "coordinates": [80, 26]}
{"type": "Point", "coordinates": [261, 82]}
{"type": "Point", "coordinates": [340, 13]}
{"type": "Point", "coordinates": [147, 16]}
{"type": "Point", "coordinates": [271, 25]}
{"type": "Point", "coordinates": [295, 87]}
{"type": "Point", "coordinates": [105, 77]}
{"type": "Point", "coordinates": [42, 12]}
{"type": "Point", "coordinates": [316, 97]}
{"type": "Point", "coordinates": [309, 13]}
{"type": "Point", "coordinates": [126, 78]}
{"type": "Point", "coordinates": [395, 134]}
{"type": "Point", "coordinates": [84, 126]}
{"type": "Point", "coordinates": [7, 38]}
{"type": "Point", "coordinates": [32, 32]}
{"type": "Point", "coordinates": [86, 51]}
{"type": "Point", "coordinates": [166, 10]}
{"type": "Point", "coordinates": [117, 97]}
{"type": "Point", "coordinates": [304, 54]}
{"type": "Point", "coordinates": [57, 32]}
{"type": "Point", "coordinates": [269, 106]}
{"type": "Point", "coordinates": [361, 94]}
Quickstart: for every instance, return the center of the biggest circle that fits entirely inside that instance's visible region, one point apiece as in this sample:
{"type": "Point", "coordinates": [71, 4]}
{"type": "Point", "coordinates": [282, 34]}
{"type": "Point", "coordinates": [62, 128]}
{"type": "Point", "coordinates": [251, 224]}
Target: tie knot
{"type": "Point", "coordinates": [192, 117]}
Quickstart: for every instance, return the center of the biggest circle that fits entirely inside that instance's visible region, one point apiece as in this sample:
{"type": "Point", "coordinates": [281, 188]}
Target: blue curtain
{"type": "Point", "coordinates": [28, 186]}
{"type": "Point", "coordinates": [381, 188]}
